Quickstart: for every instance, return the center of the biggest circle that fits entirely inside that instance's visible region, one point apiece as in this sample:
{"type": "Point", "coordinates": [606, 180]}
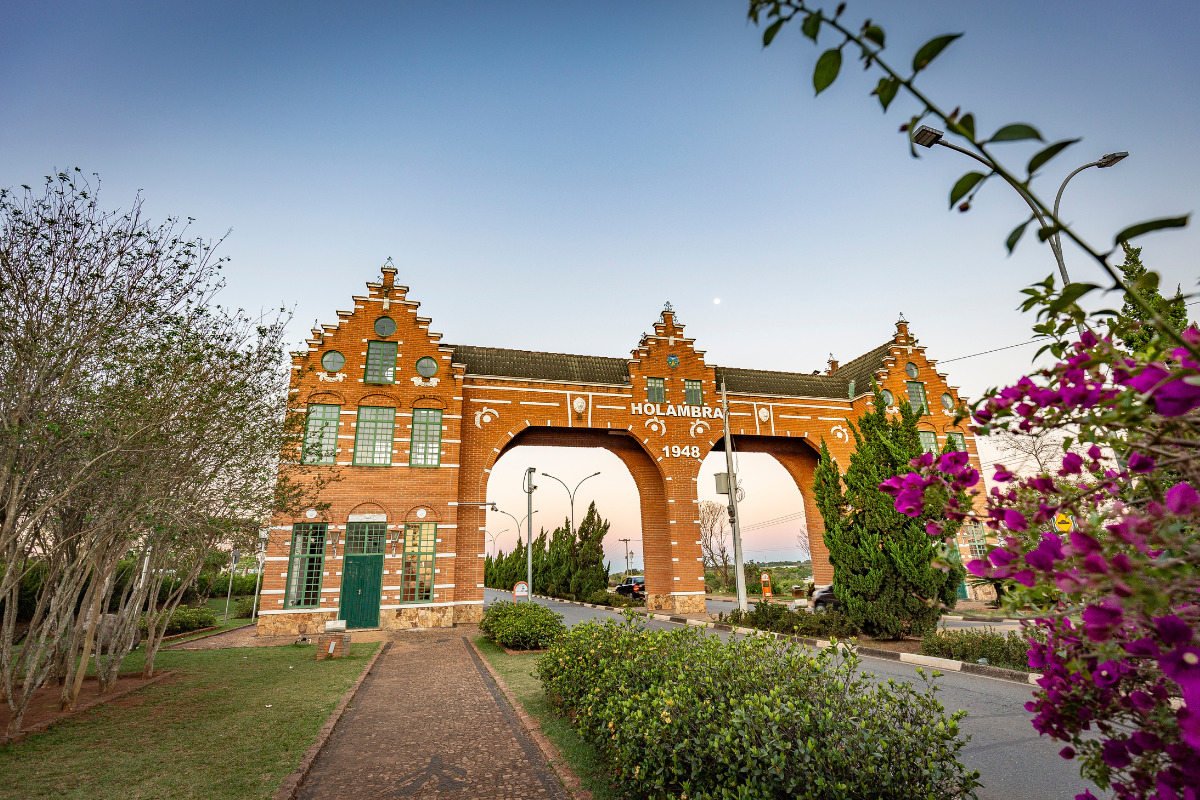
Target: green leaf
{"type": "Point", "coordinates": [964, 127]}
{"type": "Point", "coordinates": [1048, 231]}
{"type": "Point", "coordinates": [1070, 294]}
{"type": "Point", "coordinates": [1147, 283]}
{"type": "Point", "coordinates": [930, 50]}
{"type": "Point", "coordinates": [811, 25]}
{"type": "Point", "coordinates": [965, 184]}
{"type": "Point", "coordinates": [1015, 236]}
{"type": "Point", "coordinates": [1152, 225]}
{"type": "Point", "coordinates": [1014, 133]}
{"type": "Point", "coordinates": [827, 69]}
{"type": "Point", "coordinates": [886, 91]}
{"type": "Point", "coordinates": [1042, 156]}
{"type": "Point", "coordinates": [772, 29]}
{"type": "Point", "coordinates": [874, 33]}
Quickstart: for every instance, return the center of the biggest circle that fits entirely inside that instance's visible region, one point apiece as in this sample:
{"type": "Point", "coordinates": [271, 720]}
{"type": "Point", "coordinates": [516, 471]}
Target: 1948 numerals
{"type": "Point", "coordinates": [675, 451]}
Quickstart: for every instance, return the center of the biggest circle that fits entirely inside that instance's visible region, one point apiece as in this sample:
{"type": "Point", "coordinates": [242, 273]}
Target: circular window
{"type": "Point", "coordinates": [911, 370]}
{"type": "Point", "coordinates": [426, 367]}
{"type": "Point", "coordinates": [333, 361]}
{"type": "Point", "coordinates": [947, 401]}
{"type": "Point", "coordinates": [385, 326]}
{"type": "Point", "coordinates": [889, 399]}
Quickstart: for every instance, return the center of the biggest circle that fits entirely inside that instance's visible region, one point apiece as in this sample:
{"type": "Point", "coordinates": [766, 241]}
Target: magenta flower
{"type": "Point", "coordinates": [1099, 621]}
{"type": "Point", "coordinates": [1084, 543]}
{"type": "Point", "coordinates": [1115, 754]}
{"type": "Point", "coordinates": [1140, 463]}
{"type": "Point", "coordinates": [1172, 630]}
{"type": "Point", "coordinates": [1024, 577]}
{"type": "Point", "coordinates": [1182, 665]}
{"type": "Point", "coordinates": [1182, 498]}
{"type": "Point", "coordinates": [1015, 520]}
{"type": "Point", "coordinates": [1072, 464]}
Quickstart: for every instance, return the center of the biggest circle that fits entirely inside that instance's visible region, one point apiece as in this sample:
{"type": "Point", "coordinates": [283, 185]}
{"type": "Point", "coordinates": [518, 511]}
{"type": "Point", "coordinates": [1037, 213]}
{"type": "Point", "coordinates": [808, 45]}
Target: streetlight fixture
{"type": "Point", "coordinates": [926, 136]}
{"type": "Point", "coordinates": [571, 494]}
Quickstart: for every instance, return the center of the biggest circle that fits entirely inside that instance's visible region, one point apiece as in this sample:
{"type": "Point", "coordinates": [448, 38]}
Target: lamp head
{"type": "Point", "coordinates": [1110, 158]}
{"type": "Point", "coordinates": [927, 136]}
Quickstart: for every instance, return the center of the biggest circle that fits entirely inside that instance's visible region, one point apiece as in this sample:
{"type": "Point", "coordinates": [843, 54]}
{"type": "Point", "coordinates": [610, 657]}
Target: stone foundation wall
{"type": "Point", "coordinates": [468, 614]}
{"type": "Point", "coordinates": [401, 618]}
{"type": "Point", "coordinates": [675, 604]}
{"type": "Point", "coordinates": [294, 624]}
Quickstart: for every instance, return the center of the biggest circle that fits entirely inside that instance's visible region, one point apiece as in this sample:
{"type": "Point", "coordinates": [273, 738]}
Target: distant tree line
{"type": "Point", "coordinates": [567, 564]}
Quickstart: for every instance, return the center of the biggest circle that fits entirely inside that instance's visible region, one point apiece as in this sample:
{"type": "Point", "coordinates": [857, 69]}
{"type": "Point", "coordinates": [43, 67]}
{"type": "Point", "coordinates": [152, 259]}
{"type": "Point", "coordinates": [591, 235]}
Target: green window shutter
{"type": "Point", "coordinates": [320, 434]}
{"type": "Point", "coordinates": [416, 577]}
{"type": "Point", "coordinates": [365, 538]}
{"type": "Point", "coordinates": [381, 362]}
{"type": "Point", "coordinates": [305, 565]}
{"type": "Point", "coordinates": [426, 447]}
{"type": "Point", "coordinates": [373, 436]}
{"type": "Point", "coordinates": [928, 441]}
{"type": "Point", "coordinates": [916, 397]}
{"type": "Point", "coordinates": [692, 394]}
{"type": "Point", "coordinates": [977, 541]}
{"type": "Point", "coordinates": [656, 390]}
{"type": "Point", "coordinates": [958, 441]}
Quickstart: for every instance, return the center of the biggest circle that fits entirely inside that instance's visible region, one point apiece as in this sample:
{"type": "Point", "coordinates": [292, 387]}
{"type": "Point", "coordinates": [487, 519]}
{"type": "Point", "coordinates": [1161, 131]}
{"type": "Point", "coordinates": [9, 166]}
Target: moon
{"type": "Point", "coordinates": [716, 301]}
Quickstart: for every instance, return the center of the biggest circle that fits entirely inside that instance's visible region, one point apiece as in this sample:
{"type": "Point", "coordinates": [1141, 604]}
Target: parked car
{"type": "Point", "coordinates": [824, 600]}
{"type": "Point", "coordinates": [634, 586]}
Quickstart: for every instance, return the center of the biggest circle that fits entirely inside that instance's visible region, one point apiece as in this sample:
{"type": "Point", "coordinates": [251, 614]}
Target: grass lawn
{"type": "Point", "coordinates": [207, 734]}
{"type": "Point", "coordinates": [516, 672]}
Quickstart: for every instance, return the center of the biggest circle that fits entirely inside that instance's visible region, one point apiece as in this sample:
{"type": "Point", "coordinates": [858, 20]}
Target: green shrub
{"type": "Point", "coordinates": [971, 644]}
{"type": "Point", "coordinates": [779, 618]}
{"type": "Point", "coordinates": [601, 597]}
{"type": "Point", "coordinates": [681, 712]}
{"type": "Point", "coordinates": [521, 626]}
{"type": "Point", "coordinates": [243, 607]}
{"type": "Point", "coordinates": [186, 619]}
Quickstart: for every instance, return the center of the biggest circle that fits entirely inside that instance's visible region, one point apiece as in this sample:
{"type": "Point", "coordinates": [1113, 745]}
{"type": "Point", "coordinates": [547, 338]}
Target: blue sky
{"type": "Point", "coordinates": [546, 175]}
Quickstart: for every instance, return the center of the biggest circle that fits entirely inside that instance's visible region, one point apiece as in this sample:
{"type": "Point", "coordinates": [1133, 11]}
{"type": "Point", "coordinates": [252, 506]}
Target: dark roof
{"type": "Point", "coordinates": [542, 366]}
{"type": "Point", "coordinates": [598, 369]}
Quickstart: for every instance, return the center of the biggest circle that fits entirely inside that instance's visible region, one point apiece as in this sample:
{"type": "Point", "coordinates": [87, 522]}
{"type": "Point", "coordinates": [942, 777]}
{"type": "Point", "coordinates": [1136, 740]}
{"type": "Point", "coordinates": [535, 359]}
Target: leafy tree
{"type": "Point", "coordinates": [883, 570]}
{"type": "Point", "coordinates": [1131, 326]}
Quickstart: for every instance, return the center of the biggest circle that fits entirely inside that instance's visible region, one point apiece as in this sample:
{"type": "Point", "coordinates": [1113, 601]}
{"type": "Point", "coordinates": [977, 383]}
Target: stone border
{"type": "Point", "coordinates": [291, 784]}
{"type": "Point", "coordinates": [198, 638]}
{"type": "Point", "coordinates": [108, 698]}
{"type": "Point", "coordinates": [566, 776]}
{"type": "Point", "coordinates": [945, 664]}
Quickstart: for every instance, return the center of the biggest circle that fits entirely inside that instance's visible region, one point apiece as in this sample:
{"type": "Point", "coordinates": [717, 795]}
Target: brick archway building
{"type": "Point", "coordinates": [412, 427]}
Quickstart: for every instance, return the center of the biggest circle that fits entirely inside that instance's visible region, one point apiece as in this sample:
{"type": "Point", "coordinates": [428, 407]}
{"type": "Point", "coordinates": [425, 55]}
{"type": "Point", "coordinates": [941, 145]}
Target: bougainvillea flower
{"type": "Point", "coordinates": [1072, 464]}
{"type": "Point", "coordinates": [1140, 463]}
{"type": "Point", "coordinates": [1000, 557]}
{"type": "Point", "coordinates": [1182, 665]}
{"type": "Point", "coordinates": [1172, 630]}
{"type": "Point", "coordinates": [1015, 520]}
{"type": "Point", "coordinates": [1084, 543]}
{"type": "Point", "coordinates": [1182, 498]}
{"type": "Point", "coordinates": [1100, 620]}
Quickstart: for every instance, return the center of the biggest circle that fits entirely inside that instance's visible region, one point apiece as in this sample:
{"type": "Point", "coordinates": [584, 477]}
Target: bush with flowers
{"type": "Point", "coordinates": [1117, 599]}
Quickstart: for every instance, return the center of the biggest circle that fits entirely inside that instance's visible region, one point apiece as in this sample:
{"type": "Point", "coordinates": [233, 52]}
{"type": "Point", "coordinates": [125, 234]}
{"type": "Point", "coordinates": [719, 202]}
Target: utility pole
{"type": "Point", "coordinates": [739, 572]}
{"type": "Point", "coordinates": [529, 487]}
{"type": "Point", "coordinates": [626, 544]}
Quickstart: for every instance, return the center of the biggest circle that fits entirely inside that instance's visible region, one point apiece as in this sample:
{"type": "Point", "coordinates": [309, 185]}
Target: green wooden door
{"type": "Point", "coordinates": [362, 580]}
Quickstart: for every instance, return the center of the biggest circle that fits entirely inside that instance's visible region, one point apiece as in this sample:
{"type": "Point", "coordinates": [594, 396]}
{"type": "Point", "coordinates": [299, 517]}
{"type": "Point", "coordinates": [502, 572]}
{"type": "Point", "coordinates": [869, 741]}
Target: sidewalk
{"type": "Point", "coordinates": [429, 722]}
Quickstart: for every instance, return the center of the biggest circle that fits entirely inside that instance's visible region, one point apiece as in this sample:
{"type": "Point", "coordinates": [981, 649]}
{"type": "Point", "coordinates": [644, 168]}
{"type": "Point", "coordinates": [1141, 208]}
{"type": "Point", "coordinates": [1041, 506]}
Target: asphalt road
{"type": "Point", "coordinates": [725, 606]}
{"type": "Point", "coordinates": [1014, 763]}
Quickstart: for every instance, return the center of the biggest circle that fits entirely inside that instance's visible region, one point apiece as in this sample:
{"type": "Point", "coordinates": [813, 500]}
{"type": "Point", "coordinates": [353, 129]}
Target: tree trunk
{"type": "Point", "coordinates": [88, 639]}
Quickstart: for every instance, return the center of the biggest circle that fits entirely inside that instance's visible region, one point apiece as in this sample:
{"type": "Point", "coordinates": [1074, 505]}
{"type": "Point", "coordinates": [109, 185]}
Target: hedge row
{"type": "Point", "coordinates": [521, 626]}
{"type": "Point", "coordinates": [780, 619]}
{"type": "Point", "coordinates": [679, 713]}
{"type": "Point", "coordinates": [972, 644]}
{"type": "Point", "coordinates": [186, 619]}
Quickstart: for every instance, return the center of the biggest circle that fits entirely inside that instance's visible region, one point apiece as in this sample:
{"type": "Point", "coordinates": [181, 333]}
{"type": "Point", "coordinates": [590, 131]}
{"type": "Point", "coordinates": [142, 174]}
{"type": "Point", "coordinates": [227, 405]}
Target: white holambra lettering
{"type": "Point", "coordinates": [657, 410]}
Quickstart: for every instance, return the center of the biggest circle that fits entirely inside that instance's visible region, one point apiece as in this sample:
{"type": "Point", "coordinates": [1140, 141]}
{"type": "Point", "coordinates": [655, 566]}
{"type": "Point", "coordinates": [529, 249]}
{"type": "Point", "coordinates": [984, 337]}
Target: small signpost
{"type": "Point", "coordinates": [1064, 522]}
{"type": "Point", "coordinates": [520, 591]}
{"type": "Point", "coordinates": [766, 585]}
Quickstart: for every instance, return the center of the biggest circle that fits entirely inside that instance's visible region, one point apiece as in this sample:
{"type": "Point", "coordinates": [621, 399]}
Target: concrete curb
{"type": "Point", "coordinates": [175, 645]}
{"type": "Point", "coordinates": [944, 664]}
{"type": "Point", "coordinates": [108, 698]}
{"type": "Point", "coordinates": [291, 784]}
{"type": "Point", "coordinates": [566, 776]}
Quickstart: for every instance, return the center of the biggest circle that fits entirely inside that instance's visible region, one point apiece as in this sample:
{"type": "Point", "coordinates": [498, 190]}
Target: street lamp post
{"type": "Point", "coordinates": [926, 136]}
{"type": "Point", "coordinates": [571, 493]}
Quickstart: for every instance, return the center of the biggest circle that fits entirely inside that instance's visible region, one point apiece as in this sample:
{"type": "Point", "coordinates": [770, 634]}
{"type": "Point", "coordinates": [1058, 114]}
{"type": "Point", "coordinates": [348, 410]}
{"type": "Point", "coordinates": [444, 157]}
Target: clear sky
{"type": "Point", "coordinates": [546, 175]}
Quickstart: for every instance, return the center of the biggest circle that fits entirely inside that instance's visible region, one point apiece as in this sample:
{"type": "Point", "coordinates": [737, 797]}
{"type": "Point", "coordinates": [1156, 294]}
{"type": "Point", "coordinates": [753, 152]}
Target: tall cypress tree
{"type": "Point", "coordinates": [882, 560]}
{"type": "Point", "coordinates": [1129, 324]}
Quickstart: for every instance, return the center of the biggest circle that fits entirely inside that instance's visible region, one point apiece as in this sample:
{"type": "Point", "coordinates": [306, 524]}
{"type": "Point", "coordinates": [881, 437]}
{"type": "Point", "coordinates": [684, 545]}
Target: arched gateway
{"type": "Point", "coordinates": [411, 428]}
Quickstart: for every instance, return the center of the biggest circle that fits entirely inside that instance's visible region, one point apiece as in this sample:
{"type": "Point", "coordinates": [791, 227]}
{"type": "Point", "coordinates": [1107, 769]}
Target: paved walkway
{"type": "Point", "coordinates": [429, 722]}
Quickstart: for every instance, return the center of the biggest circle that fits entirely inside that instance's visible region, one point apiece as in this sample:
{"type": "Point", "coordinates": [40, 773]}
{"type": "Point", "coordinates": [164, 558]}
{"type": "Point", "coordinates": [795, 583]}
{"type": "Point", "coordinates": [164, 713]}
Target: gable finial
{"type": "Point", "coordinates": [667, 306]}
{"type": "Point", "coordinates": [902, 319]}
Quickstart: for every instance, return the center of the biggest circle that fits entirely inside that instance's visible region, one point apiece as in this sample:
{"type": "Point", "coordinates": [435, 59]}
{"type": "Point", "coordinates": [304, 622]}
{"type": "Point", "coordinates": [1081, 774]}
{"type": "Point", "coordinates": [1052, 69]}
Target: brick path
{"type": "Point", "coordinates": [429, 722]}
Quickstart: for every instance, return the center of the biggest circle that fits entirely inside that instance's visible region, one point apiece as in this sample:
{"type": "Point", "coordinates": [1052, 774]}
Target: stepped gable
{"type": "Point", "coordinates": [495, 361]}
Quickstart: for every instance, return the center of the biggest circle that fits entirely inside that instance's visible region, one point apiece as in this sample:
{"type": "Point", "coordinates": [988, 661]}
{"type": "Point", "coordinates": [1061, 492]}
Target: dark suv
{"type": "Point", "coordinates": [634, 586]}
{"type": "Point", "coordinates": [824, 600]}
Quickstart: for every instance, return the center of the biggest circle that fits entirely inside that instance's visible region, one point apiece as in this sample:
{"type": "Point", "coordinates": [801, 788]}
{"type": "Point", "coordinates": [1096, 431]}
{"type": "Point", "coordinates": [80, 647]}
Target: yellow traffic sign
{"type": "Point", "coordinates": [1064, 522]}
